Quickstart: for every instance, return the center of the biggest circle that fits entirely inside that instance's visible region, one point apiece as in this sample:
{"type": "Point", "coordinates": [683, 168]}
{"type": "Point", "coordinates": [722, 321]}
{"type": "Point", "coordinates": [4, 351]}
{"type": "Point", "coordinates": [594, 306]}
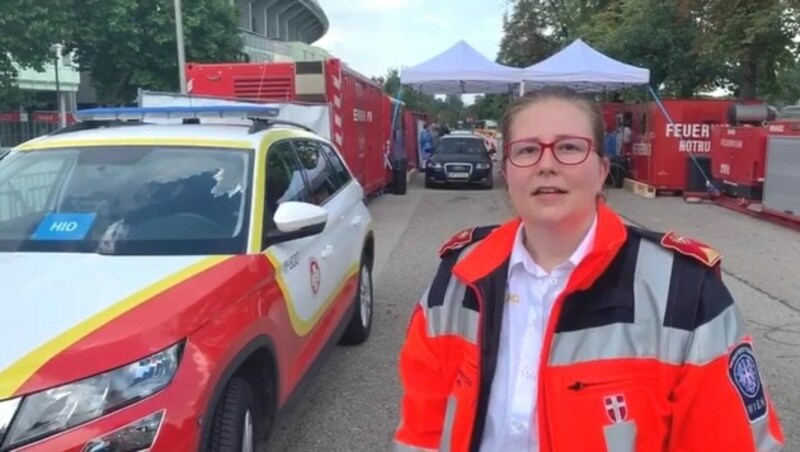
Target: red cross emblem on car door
{"type": "Point", "coordinates": [316, 276]}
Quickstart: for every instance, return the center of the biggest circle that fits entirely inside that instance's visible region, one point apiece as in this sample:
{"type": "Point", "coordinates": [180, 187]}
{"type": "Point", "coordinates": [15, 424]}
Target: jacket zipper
{"type": "Point", "coordinates": [579, 385]}
{"type": "Point", "coordinates": [545, 357]}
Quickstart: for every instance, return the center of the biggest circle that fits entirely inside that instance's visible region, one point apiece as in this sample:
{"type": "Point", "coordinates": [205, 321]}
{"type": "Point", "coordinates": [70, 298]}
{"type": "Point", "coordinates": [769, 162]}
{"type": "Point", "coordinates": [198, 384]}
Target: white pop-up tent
{"type": "Point", "coordinates": [461, 70]}
{"type": "Point", "coordinates": [583, 68]}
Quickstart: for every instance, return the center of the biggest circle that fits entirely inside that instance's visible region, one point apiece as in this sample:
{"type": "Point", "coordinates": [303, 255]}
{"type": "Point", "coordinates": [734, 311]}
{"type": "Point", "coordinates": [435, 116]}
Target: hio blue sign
{"type": "Point", "coordinates": [64, 226]}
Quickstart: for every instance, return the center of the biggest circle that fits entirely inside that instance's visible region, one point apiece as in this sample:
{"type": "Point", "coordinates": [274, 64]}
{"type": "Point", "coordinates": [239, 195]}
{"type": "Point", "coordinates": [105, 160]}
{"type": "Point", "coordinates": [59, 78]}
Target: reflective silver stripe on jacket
{"type": "Point", "coordinates": [400, 447]}
{"type": "Point", "coordinates": [646, 337]}
{"type": "Point", "coordinates": [451, 318]}
{"type": "Point", "coordinates": [620, 437]}
{"type": "Point", "coordinates": [449, 420]}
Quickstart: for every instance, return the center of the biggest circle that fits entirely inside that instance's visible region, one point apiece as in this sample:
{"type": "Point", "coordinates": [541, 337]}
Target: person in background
{"type": "Point", "coordinates": [425, 144]}
{"type": "Point", "coordinates": [434, 131]}
{"type": "Point", "coordinates": [564, 329]}
{"type": "Point", "coordinates": [624, 138]}
{"type": "Point", "coordinates": [611, 143]}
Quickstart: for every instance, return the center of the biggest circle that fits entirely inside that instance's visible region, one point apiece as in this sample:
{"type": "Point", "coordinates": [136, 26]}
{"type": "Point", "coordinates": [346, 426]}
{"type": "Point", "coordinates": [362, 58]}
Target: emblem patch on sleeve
{"type": "Point", "coordinates": [691, 248]}
{"type": "Point", "coordinates": [458, 241]}
{"type": "Point", "coordinates": [743, 371]}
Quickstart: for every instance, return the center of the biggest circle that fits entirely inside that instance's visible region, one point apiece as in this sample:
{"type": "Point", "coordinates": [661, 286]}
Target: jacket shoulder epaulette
{"type": "Point", "coordinates": [686, 246]}
{"type": "Point", "coordinates": [465, 238]}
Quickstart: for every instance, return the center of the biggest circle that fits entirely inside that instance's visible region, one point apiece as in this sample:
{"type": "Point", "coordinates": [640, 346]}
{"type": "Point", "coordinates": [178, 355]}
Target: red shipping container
{"type": "Point", "coordinates": [738, 159]}
{"type": "Point", "coordinates": [359, 126]}
{"type": "Point", "coordinates": [661, 152]}
{"type": "Point", "coordinates": [782, 175]}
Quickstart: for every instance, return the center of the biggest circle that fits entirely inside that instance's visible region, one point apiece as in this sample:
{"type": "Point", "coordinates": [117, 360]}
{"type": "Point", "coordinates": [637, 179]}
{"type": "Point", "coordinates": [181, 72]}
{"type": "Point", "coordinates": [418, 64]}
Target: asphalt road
{"type": "Point", "coordinates": [353, 403]}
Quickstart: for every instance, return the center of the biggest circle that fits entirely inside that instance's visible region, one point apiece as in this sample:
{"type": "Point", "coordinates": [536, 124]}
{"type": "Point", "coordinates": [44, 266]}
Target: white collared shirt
{"type": "Point", "coordinates": [531, 293]}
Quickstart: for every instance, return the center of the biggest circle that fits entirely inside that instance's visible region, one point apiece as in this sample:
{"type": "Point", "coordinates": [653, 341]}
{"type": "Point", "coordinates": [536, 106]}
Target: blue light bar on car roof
{"type": "Point", "coordinates": [206, 111]}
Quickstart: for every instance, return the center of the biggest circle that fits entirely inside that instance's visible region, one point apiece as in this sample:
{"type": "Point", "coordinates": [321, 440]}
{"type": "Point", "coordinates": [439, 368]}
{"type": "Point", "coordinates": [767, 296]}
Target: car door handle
{"type": "Point", "coordinates": [327, 251]}
{"type": "Point", "coordinates": [356, 221]}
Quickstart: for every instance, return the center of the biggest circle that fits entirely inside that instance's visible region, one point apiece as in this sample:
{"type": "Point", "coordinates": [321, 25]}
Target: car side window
{"type": "Point", "coordinates": [338, 165]}
{"type": "Point", "coordinates": [30, 188]}
{"type": "Point", "coordinates": [285, 181]}
{"type": "Point", "coordinates": [320, 173]}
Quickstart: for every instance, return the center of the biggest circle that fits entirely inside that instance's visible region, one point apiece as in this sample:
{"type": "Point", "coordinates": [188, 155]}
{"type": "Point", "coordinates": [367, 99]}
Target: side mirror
{"type": "Point", "coordinates": [296, 220]}
{"type": "Point", "coordinates": [293, 216]}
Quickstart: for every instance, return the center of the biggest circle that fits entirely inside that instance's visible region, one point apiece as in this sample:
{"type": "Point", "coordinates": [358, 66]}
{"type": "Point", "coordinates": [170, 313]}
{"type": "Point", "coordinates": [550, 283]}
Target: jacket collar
{"type": "Point", "coordinates": [493, 251]}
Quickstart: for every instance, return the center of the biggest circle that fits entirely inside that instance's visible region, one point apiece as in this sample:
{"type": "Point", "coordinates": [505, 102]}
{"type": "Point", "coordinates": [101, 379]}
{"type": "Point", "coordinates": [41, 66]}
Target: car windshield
{"type": "Point", "coordinates": [131, 200]}
{"type": "Point", "coordinates": [461, 146]}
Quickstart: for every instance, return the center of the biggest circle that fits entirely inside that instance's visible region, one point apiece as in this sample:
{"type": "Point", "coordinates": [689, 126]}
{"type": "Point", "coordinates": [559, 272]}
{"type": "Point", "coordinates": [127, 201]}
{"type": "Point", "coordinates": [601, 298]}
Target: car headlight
{"type": "Point", "coordinates": [54, 410]}
{"type": "Point", "coordinates": [483, 165]}
{"type": "Point", "coordinates": [434, 165]}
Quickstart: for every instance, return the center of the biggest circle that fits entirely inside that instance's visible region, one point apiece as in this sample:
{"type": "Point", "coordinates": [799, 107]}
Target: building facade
{"type": "Point", "coordinates": [281, 30]}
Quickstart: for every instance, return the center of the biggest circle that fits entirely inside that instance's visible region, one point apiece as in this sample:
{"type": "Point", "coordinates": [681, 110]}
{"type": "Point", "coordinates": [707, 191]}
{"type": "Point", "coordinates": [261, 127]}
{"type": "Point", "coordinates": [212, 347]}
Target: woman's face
{"type": "Point", "coordinates": [550, 192]}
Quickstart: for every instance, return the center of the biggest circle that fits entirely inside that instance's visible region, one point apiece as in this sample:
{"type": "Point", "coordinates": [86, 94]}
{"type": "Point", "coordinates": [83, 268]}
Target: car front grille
{"type": "Point", "coordinates": [458, 167]}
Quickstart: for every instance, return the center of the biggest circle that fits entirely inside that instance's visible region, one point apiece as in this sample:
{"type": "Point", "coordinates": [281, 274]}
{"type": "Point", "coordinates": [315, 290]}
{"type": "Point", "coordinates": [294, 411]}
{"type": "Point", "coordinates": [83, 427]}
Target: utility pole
{"type": "Point", "coordinates": [179, 39]}
{"type": "Point", "coordinates": [59, 105]}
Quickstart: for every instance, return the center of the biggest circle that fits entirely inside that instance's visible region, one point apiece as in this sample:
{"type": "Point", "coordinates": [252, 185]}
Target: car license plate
{"type": "Point", "coordinates": [458, 175]}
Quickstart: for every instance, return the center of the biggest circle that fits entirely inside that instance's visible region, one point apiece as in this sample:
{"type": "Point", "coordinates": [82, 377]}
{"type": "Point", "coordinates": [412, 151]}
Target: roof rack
{"type": "Point", "coordinates": [261, 117]}
{"type": "Point", "coordinates": [178, 112]}
{"type": "Point", "coordinates": [89, 125]}
{"type": "Point", "coordinates": [264, 124]}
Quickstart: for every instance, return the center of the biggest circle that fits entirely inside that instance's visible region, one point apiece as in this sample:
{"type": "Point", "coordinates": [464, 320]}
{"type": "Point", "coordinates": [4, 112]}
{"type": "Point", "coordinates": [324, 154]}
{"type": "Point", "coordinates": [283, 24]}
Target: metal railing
{"type": "Point", "coordinates": [262, 43]}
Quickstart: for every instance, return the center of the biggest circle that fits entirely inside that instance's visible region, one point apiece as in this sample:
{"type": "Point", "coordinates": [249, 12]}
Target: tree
{"type": "Point", "coordinates": [786, 89]}
{"type": "Point", "coordinates": [658, 35]}
{"type": "Point", "coordinates": [28, 30]}
{"type": "Point", "coordinates": [490, 106]}
{"type": "Point", "coordinates": [754, 38]}
{"type": "Point", "coordinates": [413, 99]}
{"type": "Point", "coordinates": [525, 40]}
{"type": "Point", "coordinates": [127, 44]}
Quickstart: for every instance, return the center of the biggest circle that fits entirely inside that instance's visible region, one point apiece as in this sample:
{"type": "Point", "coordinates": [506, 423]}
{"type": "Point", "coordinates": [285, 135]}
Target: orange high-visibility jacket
{"type": "Point", "coordinates": [645, 350]}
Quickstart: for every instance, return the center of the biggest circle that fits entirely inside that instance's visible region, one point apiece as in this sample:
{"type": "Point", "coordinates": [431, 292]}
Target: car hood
{"type": "Point", "coordinates": [104, 311]}
{"type": "Point", "coordinates": [468, 158]}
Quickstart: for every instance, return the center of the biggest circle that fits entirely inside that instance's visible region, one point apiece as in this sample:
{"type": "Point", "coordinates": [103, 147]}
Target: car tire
{"type": "Point", "coordinates": [360, 325]}
{"type": "Point", "coordinates": [489, 184]}
{"type": "Point", "coordinates": [237, 425]}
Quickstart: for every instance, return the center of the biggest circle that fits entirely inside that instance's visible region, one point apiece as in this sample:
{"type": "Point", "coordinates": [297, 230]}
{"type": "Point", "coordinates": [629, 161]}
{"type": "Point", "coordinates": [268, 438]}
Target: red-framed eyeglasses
{"type": "Point", "coordinates": [566, 150]}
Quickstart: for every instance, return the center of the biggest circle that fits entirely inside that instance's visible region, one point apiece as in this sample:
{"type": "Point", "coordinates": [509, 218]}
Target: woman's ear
{"type": "Point", "coordinates": [605, 167]}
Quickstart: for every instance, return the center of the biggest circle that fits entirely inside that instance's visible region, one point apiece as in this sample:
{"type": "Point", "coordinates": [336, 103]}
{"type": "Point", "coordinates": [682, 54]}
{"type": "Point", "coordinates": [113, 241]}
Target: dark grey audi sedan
{"type": "Point", "coordinates": [460, 159]}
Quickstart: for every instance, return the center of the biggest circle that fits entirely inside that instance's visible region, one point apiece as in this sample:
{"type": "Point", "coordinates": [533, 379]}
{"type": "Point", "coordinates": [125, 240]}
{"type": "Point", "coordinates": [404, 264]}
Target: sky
{"type": "Point", "coordinates": [372, 36]}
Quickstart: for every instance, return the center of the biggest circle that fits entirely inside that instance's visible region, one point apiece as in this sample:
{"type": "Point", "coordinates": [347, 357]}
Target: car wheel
{"type": "Point", "coordinates": [360, 325]}
{"type": "Point", "coordinates": [236, 424]}
{"type": "Point", "coordinates": [489, 184]}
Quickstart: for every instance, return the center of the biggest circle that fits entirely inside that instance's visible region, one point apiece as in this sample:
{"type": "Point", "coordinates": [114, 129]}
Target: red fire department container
{"type": "Point", "coordinates": [738, 155]}
{"type": "Point", "coordinates": [661, 152]}
{"type": "Point", "coordinates": [359, 126]}
{"type": "Point", "coordinates": [610, 110]}
{"type": "Point", "coordinates": [782, 175]}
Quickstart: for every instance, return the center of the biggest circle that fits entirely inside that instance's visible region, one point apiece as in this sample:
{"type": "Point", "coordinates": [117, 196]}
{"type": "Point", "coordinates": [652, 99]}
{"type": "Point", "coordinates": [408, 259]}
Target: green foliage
{"type": "Point", "coordinates": [126, 45]}
{"type": "Point", "coordinates": [655, 34]}
{"type": "Point", "coordinates": [525, 40]}
{"type": "Point", "coordinates": [28, 29]}
{"type": "Point", "coordinates": [447, 111]}
{"type": "Point", "coordinates": [690, 46]}
{"type": "Point", "coordinates": [490, 106]}
{"type": "Point", "coordinates": [754, 37]}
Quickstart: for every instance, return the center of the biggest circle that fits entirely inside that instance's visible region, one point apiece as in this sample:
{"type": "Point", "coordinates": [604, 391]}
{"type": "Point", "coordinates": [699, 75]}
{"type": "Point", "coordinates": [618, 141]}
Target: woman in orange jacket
{"type": "Point", "coordinates": [566, 330]}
